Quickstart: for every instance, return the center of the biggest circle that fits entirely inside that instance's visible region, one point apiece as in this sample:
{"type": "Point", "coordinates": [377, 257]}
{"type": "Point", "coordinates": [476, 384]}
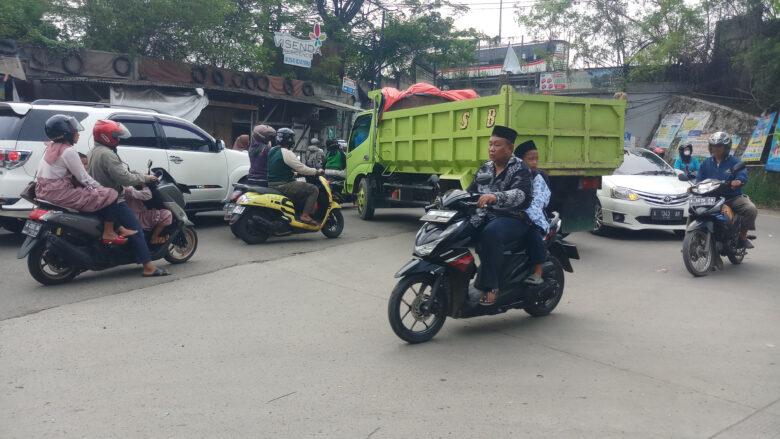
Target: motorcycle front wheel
{"type": "Point", "coordinates": [409, 321]}
{"type": "Point", "coordinates": [183, 247]}
{"type": "Point", "coordinates": [49, 269]}
{"type": "Point", "coordinates": [334, 225]}
{"type": "Point", "coordinates": [697, 255]}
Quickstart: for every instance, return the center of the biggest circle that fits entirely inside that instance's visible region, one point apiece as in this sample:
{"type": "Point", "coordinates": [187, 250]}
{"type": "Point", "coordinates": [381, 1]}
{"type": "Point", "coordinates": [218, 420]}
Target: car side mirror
{"type": "Point", "coordinates": [220, 145]}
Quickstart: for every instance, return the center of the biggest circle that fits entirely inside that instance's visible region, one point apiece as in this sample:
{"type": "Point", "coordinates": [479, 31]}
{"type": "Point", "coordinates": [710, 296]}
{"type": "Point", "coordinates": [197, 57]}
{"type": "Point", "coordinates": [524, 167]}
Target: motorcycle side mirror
{"type": "Point", "coordinates": [149, 167]}
{"type": "Point", "coordinates": [682, 177]}
{"type": "Point", "coordinates": [740, 166]}
{"type": "Point", "coordinates": [433, 179]}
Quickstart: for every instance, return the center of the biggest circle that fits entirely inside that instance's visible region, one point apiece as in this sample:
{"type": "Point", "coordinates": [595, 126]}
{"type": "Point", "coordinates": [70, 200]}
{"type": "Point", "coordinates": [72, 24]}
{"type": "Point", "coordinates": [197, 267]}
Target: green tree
{"type": "Point", "coordinates": [24, 21]}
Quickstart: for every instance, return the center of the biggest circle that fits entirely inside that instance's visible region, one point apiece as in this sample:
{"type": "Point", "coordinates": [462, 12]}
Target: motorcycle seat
{"type": "Point", "coordinates": [50, 205]}
{"type": "Point", "coordinates": [263, 190]}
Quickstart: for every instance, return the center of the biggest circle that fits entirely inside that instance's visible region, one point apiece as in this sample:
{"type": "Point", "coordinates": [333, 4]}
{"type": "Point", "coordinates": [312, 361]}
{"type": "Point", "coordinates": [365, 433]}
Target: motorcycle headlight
{"type": "Point", "coordinates": [703, 188]}
{"type": "Point", "coordinates": [623, 193]}
{"type": "Point", "coordinates": [425, 244]}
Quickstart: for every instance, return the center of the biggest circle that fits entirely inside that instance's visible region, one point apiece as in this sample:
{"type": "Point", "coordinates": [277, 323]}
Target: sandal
{"type": "Point", "coordinates": [533, 280]}
{"type": "Point", "coordinates": [119, 240]}
{"type": "Point", "coordinates": [157, 272]}
{"type": "Point", "coordinates": [485, 299]}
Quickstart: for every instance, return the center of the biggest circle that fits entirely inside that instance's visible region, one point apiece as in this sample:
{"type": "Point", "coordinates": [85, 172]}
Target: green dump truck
{"type": "Point", "coordinates": [389, 163]}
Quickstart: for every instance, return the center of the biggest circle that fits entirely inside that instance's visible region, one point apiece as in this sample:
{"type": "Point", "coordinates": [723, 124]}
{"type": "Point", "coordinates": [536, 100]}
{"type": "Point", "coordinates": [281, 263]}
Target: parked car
{"type": "Point", "coordinates": [188, 153]}
{"type": "Point", "coordinates": [643, 193]}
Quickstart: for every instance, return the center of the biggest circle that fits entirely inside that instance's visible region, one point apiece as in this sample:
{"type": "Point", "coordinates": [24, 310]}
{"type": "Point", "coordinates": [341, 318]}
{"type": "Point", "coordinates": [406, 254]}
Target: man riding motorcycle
{"type": "Point", "coordinates": [719, 166]}
{"type": "Point", "coordinates": [282, 166]}
{"type": "Point", "coordinates": [505, 182]}
{"type": "Point", "coordinates": [335, 160]}
{"type": "Point", "coordinates": [108, 169]}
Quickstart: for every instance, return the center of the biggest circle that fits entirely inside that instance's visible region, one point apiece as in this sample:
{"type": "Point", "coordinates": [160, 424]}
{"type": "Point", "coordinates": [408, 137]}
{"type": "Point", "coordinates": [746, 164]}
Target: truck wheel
{"type": "Point", "coordinates": [365, 201]}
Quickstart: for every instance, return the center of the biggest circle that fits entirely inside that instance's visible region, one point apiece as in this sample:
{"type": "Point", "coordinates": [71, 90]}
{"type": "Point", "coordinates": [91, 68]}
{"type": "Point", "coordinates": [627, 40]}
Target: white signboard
{"type": "Point", "coordinates": [298, 52]}
{"type": "Point", "coordinates": [349, 86]}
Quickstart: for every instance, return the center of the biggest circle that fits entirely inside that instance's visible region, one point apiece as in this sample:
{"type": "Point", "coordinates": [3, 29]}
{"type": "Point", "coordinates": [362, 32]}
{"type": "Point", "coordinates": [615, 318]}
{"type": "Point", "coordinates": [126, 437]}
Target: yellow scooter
{"type": "Point", "coordinates": [261, 212]}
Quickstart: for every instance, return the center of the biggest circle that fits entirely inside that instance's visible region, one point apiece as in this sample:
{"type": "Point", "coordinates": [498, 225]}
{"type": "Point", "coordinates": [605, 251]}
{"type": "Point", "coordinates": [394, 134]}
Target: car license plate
{"type": "Point", "coordinates": [228, 210]}
{"type": "Point", "coordinates": [438, 216]}
{"type": "Point", "coordinates": [238, 210]}
{"type": "Point", "coordinates": [666, 214]}
{"type": "Point", "coordinates": [31, 228]}
{"type": "Point", "coordinates": [703, 201]}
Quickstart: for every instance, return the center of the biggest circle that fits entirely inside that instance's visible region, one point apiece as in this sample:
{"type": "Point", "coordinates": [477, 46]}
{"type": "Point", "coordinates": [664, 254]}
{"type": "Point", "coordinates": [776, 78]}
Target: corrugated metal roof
{"type": "Point", "coordinates": [311, 100]}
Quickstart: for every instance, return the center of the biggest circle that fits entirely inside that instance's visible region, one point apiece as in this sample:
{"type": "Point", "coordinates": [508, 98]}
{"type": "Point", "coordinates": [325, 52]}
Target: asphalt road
{"type": "Point", "coordinates": [290, 339]}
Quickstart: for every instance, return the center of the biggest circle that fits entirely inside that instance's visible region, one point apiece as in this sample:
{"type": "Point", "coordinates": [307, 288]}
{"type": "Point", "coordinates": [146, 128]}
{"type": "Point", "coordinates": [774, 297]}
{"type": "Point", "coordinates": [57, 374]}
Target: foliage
{"type": "Point", "coordinates": [762, 65]}
{"type": "Point", "coordinates": [23, 21]}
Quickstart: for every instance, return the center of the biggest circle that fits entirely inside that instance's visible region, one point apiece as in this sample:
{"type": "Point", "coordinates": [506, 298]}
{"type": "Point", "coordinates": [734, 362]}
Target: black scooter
{"type": "Point", "coordinates": [713, 228]}
{"type": "Point", "coordinates": [62, 243]}
{"type": "Point", "coordinates": [437, 283]}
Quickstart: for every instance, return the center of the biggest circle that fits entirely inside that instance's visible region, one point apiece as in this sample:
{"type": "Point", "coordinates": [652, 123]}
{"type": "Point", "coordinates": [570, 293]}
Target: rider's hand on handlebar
{"type": "Point", "coordinates": [736, 183]}
{"type": "Point", "coordinates": [320, 171]}
{"type": "Point", "coordinates": [487, 199]}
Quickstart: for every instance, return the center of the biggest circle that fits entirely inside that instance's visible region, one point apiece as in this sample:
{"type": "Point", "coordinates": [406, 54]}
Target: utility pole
{"type": "Point", "coordinates": [500, 18]}
{"type": "Point", "coordinates": [379, 55]}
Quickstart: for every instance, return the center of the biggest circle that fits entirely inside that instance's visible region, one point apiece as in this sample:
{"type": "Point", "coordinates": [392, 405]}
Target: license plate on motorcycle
{"type": "Point", "coordinates": [438, 216]}
{"type": "Point", "coordinates": [31, 228]}
{"type": "Point", "coordinates": [238, 210]}
{"type": "Point", "coordinates": [228, 210]}
{"type": "Point", "coordinates": [666, 214]}
{"type": "Point", "coordinates": [703, 201]}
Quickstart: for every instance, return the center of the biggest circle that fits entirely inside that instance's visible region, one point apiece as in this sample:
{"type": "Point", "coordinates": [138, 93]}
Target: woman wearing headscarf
{"type": "Point", "coordinates": [687, 162]}
{"type": "Point", "coordinates": [61, 178]}
{"type": "Point", "coordinates": [258, 155]}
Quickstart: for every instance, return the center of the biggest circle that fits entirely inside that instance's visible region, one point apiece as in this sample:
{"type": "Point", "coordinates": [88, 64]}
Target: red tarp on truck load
{"type": "Point", "coordinates": [391, 95]}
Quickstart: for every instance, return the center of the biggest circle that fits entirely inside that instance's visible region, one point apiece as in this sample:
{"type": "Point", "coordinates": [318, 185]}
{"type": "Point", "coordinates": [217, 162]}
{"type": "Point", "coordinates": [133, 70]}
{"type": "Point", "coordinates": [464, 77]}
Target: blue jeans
{"type": "Point", "coordinates": [537, 252]}
{"type": "Point", "coordinates": [125, 217]}
{"type": "Point", "coordinates": [491, 237]}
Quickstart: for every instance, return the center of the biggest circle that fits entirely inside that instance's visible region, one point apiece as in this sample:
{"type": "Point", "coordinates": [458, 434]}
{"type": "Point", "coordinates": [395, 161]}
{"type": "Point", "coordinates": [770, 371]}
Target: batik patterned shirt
{"type": "Point", "coordinates": [541, 199]}
{"type": "Point", "coordinates": [513, 188]}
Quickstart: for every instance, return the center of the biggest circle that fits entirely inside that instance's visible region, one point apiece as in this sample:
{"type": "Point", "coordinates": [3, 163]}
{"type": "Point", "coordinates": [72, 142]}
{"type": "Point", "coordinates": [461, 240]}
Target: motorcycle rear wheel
{"type": "Point", "coordinates": [179, 254]}
{"type": "Point", "coordinates": [698, 259]}
{"type": "Point", "coordinates": [539, 309]}
{"type": "Point", "coordinates": [404, 313]}
{"type": "Point", "coordinates": [49, 269]}
{"type": "Point", "coordinates": [245, 229]}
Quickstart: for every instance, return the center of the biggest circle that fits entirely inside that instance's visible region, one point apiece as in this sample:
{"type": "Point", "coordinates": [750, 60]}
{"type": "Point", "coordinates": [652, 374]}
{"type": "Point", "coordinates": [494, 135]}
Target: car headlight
{"type": "Point", "coordinates": [624, 193]}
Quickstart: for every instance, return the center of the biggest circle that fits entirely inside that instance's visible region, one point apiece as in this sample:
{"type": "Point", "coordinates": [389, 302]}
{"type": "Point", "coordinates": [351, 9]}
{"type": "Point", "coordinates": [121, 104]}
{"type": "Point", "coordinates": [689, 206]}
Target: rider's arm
{"type": "Point", "coordinates": [290, 160]}
{"type": "Point", "coordinates": [702, 171]}
{"type": "Point", "coordinates": [72, 161]}
{"type": "Point", "coordinates": [143, 194]}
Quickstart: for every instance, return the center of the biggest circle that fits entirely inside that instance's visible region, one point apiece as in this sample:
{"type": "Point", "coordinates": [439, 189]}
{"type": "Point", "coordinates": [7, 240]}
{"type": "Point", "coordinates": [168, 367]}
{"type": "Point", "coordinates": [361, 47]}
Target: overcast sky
{"type": "Point", "coordinates": [484, 17]}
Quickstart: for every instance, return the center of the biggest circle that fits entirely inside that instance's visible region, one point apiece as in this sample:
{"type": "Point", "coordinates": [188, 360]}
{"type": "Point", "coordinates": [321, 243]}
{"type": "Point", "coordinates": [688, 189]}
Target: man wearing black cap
{"type": "Point", "coordinates": [505, 183]}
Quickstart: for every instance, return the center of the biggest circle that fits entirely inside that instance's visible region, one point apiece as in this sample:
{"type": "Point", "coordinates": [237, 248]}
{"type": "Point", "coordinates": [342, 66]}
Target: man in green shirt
{"type": "Point", "coordinates": [282, 166]}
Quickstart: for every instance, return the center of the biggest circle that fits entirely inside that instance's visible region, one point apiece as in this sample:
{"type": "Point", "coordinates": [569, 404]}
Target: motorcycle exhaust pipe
{"type": "Point", "coordinates": [272, 226]}
{"type": "Point", "coordinates": [69, 252]}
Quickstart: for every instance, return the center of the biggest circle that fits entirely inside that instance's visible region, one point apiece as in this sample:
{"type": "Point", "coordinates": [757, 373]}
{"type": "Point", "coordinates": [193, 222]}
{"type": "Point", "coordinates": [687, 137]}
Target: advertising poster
{"type": "Point", "coordinates": [693, 124]}
{"type": "Point", "coordinates": [773, 161]}
{"type": "Point", "coordinates": [667, 130]}
{"type": "Point", "coordinates": [553, 81]}
{"type": "Point", "coordinates": [758, 140]}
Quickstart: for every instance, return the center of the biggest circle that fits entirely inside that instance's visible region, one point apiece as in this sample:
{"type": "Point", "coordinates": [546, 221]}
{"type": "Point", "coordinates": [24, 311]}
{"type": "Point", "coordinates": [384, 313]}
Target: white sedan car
{"type": "Point", "coordinates": [643, 193]}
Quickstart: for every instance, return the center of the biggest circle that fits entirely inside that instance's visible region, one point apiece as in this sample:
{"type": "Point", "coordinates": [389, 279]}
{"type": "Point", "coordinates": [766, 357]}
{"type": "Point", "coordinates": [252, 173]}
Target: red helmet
{"type": "Point", "coordinates": [660, 151]}
{"type": "Point", "coordinates": [108, 132]}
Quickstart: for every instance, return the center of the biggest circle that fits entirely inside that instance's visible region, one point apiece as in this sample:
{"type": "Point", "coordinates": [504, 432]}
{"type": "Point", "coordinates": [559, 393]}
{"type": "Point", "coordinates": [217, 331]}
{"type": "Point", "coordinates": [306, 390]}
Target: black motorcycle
{"type": "Point", "coordinates": [62, 243]}
{"type": "Point", "coordinates": [437, 283]}
{"type": "Point", "coordinates": [713, 228]}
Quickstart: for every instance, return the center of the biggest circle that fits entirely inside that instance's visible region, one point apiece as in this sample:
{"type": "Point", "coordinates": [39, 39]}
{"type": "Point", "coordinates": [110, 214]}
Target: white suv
{"type": "Point", "coordinates": [191, 155]}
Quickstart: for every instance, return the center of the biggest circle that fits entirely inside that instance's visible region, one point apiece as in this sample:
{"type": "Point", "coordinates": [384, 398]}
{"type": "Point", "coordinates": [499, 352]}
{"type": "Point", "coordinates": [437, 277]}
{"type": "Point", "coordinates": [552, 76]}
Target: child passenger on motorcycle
{"type": "Point", "coordinates": [536, 211]}
{"type": "Point", "coordinates": [155, 220]}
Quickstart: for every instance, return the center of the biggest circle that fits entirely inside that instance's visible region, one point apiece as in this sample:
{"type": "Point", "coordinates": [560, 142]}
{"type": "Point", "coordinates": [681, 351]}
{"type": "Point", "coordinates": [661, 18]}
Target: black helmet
{"type": "Point", "coordinates": [62, 128]}
{"type": "Point", "coordinates": [285, 137]}
{"type": "Point", "coordinates": [332, 144]}
{"type": "Point", "coordinates": [720, 139]}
